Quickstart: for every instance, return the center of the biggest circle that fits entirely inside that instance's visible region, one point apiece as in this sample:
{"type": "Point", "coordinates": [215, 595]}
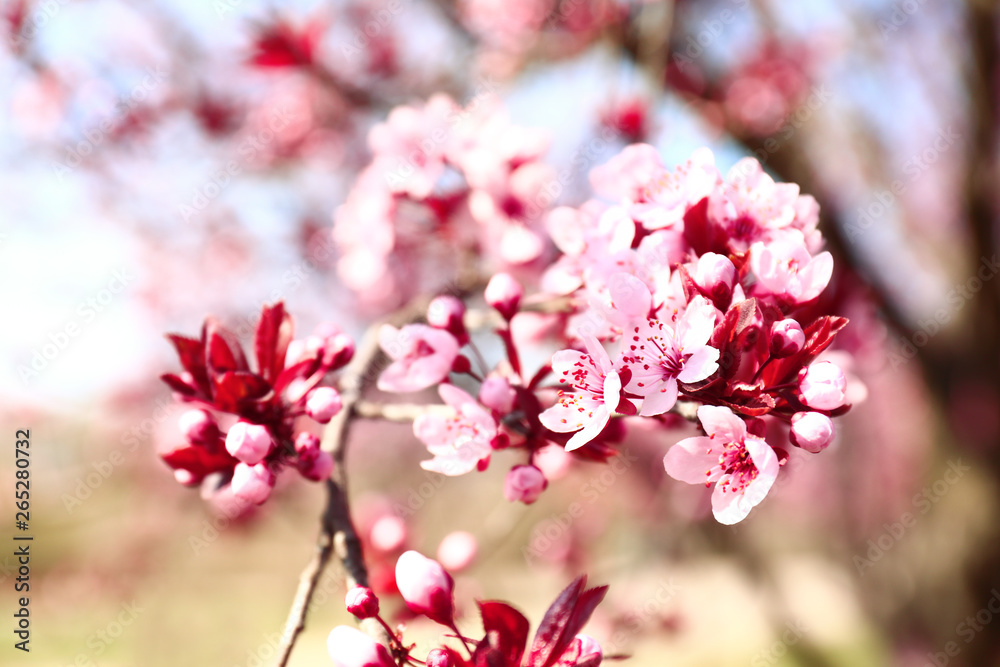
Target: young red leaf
{"type": "Point", "coordinates": [274, 333]}
{"type": "Point", "coordinates": [191, 353]}
{"type": "Point", "coordinates": [224, 353]}
{"type": "Point", "coordinates": [506, 632]}
{"type": "Point", "coordinates": [564, 619]}
{"type": "Point", "coordinates": [233, 390]}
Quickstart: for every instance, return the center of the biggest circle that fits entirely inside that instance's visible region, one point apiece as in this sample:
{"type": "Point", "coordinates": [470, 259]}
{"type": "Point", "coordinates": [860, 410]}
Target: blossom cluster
{"type": "Point", "coordinates": [242, 428]}
{"type": "Point", "coordinates": [445, 183]}
{"type": "Point", "coordinates": [428, 590]}
{"type": "Point", "coordinates": [683, 285]}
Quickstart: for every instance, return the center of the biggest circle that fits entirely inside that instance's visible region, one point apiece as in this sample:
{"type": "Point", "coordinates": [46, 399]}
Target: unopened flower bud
{"type": "Point", "coordinates": [525, 484]}
{"type": "Point", "coordinates": [306, 442]}
{"type": "Point", "coordinates": [823, 386]}
{"type": "Point", "coordinates": [497, 394]}
{"type": "Point", "coordinates": [439, 657]}
{"type": "Point", "coordinates": [361, 602]}
{"type": "Point", "coordinates": [252, 483]}
{"type": "Point", "coordinates": [457, 550]}
{"type": "Point", "coordinates": [716, 275]}
{"type": "Point", "coordinates": [787, 338]}
{"type": "Point", "coordinates": [316, 465]}
{"type": "Point", "coordinates": [447, 312]}
{"type": "Point", "coordinates": [248, 442]}
{"type": "Point", "coordinates": [812, 431]}
{"type": "Point", "coordinates": [199, 428]}
{"type": "Point", "coordinates": [504, 293]}
{"type": "Point", "coordinates": [425, 587]}
{"type": "Point", "coordinates": [323, 403]}
{"type": "Point", "coordinates": [349, 647]}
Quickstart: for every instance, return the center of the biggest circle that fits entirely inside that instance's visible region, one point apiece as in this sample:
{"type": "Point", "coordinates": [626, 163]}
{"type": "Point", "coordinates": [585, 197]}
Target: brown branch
{"type": "Point", "coordinates": [337, 533]}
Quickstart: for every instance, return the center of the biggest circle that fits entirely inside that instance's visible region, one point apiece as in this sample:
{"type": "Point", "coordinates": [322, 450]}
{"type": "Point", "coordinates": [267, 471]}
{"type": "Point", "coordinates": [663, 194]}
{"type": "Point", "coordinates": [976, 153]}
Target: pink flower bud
{"type": "Point", "coordinates": [388, 533]}
{"type": "Point", "coordinates": [426, 587]}
{"type": "Point", "coordinates": [252, 483]}
{"type": "Point", "coordinates": [524, 483]}
{"type": "Point", "coordinates": [812, 431]}
{"type": "Point", "coordinates": [457, 550]}
{"type": "Point", "coordinates": [439, 657]}
{"type": "Point", "coordinates": [199, 428]}
{"type": "Point", "coordinates": [716, 275]}
{"type": "Point", "coordinates": [504, 293]}
{"type": "Point", "coordinates": [338, 350]}
{"type": "Point", "coordinates": [361, 602]}
{"type": "Point", "coordinates": [248, 442]}
{"type": "Point", "coordinates": [447, 312]}
{"type": "Point", "coordinates": [350, 647]}
{"type": "Point", "coordinates": [316, 465]}
{"type": "Point", "coordinates": [306, 443]}
{"type": "Point", "coordinates": [822, 386]}
{"type": "Point", "coordinates": [323, 403]}
{"type": "Point", "coordinates": [497, 394]}
{"type": "Point", "coordinates": [786, 338]}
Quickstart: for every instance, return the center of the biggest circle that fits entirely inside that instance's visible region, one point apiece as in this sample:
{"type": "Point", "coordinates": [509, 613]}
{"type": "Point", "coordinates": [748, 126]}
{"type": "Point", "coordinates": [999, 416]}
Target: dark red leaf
{"type": "Point", "coordinates": [235, 389]}
{"type": "Point", "coordinates": [506, 632]}
{"type": "Point", "coordinates": [179, 385]}
{"type": "Point", "coordinates": [198, 460]}
{"type": "Point", "coordinates": [191, 353]}
{"type": "Point", "coordinates": [564, 619]}
{"type": "Point", "coordinates": [274, 333]}
{"type": "Point", "coordinates": [224, 353]}
{"type": "Point", "coordinates": [303, 369]}
{"type": "Point", "coordinates": [284, 45]}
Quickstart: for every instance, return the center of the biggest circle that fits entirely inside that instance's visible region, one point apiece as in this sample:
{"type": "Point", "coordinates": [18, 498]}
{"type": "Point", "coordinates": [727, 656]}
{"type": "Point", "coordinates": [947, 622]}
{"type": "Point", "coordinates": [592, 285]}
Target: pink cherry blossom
{"type": "Point", "coordinates": [812, 431]}
{"type": "Point", "coordinates": [785, 268]}
{"type": "Point", "coordinates": [628, 175]}
{"type": "Point", "coordinates": [750, 206]}
{"type": "Point", "coordinates": [423, 357]}
{"type": "Point", "coordinates": [596, 393]}
{"type": "Point", "coordinates": [664, 201]}
{"type": "Point", "coordinates": [459, 440]}
{"type": "Point", "coordinates": [504, 293]}
{"type": "Point", "coordinates": [249, 443]}
{"type": "Point", "coordinates": [388, 533]}
{"type": "Point", "coordinates": [659, 355]}
{"type": "Point", "coordinates": [349, 647]}
{"type": "Point", "coordinates": [252, 483]}
{"type": "Point", "coordinates": [823, 386]}
{"type": "Point", "coordinates": [361, 602]}
{"type": "Point", "coordinates": [425, 587]}
{"type": "Point", "coordinates": [742, 466]}
{"type": "Point", "coordinates": [497, 394]}
{"type": "Point", "coordinates": [524, 484]}
{"type": "Point", "coordinates": [787, 338]}
{"type": "Point", "coordinates": [323, 403]}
